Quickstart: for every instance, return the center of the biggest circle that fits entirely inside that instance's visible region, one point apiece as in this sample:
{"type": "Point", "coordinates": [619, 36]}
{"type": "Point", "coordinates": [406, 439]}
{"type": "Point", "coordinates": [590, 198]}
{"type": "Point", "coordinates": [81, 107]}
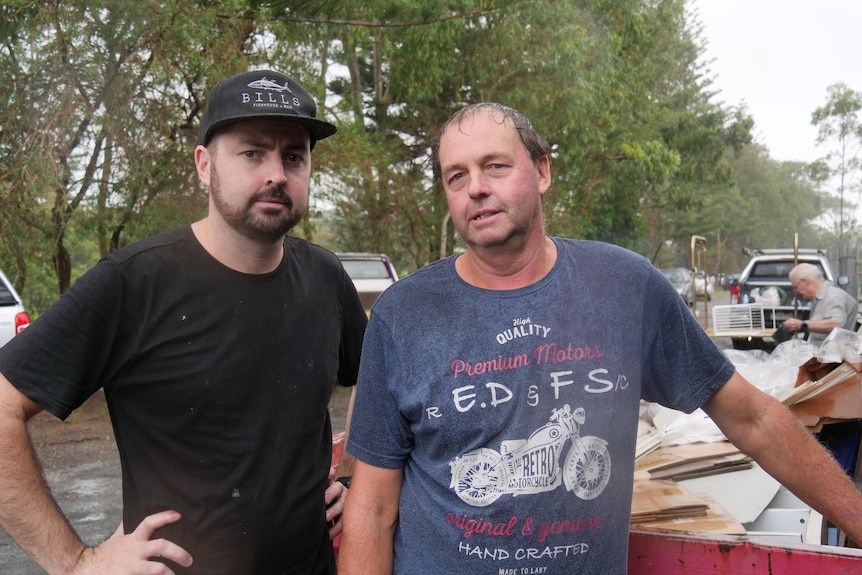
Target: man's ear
{"type": "Point", "coordinates": [203, 160]}
{"type": "Point", "coordinates": [543, 166]}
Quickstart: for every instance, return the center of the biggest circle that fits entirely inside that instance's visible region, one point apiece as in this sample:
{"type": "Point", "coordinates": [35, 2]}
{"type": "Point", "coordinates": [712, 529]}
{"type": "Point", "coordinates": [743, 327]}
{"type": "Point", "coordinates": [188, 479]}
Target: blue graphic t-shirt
{"type": "Point", "coordinates": [514, 413]}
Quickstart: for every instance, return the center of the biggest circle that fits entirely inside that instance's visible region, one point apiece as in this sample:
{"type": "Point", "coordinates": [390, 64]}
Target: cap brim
{"type": "Point", "coordinates": [317, 129]}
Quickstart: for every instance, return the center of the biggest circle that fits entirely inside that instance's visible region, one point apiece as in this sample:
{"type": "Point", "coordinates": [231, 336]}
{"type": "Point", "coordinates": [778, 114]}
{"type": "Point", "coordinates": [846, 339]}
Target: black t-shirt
{"type": "Point", "coordinates": [218, 385]}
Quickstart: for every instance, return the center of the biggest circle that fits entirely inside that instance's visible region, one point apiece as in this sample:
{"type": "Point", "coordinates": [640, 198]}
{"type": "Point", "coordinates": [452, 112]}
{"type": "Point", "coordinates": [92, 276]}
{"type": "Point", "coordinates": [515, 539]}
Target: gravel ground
{"type": "Point", "coordinates": [82, 467]}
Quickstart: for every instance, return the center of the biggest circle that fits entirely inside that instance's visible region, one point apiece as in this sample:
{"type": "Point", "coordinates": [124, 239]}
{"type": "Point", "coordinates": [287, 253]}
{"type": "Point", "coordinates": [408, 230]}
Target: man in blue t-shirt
{"type": "Point", "coordinates": [496, 414]}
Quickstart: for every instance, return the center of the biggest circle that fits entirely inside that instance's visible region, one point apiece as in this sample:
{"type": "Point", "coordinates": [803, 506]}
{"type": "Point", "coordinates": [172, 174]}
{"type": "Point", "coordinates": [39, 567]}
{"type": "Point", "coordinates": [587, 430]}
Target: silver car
{"type": "Point", "coordinates": [681, 280]}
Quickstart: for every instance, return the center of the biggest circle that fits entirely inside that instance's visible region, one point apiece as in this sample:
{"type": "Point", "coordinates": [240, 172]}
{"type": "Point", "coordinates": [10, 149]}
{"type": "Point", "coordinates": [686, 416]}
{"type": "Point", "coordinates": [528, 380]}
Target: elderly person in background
{"type": "Point", "coordinates": [831, 306]}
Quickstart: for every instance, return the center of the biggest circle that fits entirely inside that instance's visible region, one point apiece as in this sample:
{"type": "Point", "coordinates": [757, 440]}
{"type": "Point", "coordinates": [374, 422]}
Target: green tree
{"type": "Point", "coordinates": [604, 81]}
{"type": "Point", "coordinates": [102, 104]}
{"type": "Point", "coordinates": [706, 136]}
{"type": "Point", "coordinates": [839, 129]}
{"type": "Point", "coordinates": [767, 204]}
{"type": "Point", "coordinates": [613, 85]}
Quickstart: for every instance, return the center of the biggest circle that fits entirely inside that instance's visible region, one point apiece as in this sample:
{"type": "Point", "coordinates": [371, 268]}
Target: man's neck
{"type": "Point", "coordinates": [504, 270]}
{"type": "Point", "coordinates": [236, 251]}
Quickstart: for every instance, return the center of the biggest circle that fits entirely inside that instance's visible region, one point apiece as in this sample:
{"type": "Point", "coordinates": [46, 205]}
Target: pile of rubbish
{"type": "Point", "coordinates": [775, 373]}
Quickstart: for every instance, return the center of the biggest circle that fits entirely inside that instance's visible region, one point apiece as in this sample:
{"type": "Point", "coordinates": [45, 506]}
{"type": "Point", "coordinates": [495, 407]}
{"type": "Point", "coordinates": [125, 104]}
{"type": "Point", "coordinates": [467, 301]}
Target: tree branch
{"type": "Point", "coordinates": [374, 23]}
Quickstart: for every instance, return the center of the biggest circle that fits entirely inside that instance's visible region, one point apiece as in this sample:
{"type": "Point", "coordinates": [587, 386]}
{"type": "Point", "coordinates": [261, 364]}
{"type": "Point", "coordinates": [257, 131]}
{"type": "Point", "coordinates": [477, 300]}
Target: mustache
{"type": "Point", "coordinates": [277, 193]}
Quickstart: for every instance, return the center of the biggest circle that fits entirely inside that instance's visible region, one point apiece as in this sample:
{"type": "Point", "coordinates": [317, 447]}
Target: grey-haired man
{"type": "Point", "coordinates": [218, 345]}
{"type": "Point", "coordinates": [497, 406]}
{"type": "Point", "coordinates": [831, 306]}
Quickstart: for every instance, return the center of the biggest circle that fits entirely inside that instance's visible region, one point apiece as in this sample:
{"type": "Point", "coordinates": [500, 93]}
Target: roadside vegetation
{"type": "Point", "coordinates": [104, 98]}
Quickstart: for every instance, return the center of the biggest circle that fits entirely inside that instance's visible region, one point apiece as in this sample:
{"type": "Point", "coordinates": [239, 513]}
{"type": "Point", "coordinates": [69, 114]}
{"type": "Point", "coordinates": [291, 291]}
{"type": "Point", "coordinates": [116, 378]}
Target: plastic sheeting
{"type": "Point", "coordinates": [773, 373]}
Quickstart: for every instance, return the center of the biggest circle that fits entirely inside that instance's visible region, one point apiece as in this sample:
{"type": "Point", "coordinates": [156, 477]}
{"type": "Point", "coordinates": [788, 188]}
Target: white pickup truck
{"type": "Point", "coordinates": [766, 298]}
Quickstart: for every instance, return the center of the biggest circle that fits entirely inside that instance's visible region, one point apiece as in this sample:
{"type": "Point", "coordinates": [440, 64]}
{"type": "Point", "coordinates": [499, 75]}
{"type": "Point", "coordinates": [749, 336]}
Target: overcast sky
{"type": "Point", "coordinates": [779, 57]}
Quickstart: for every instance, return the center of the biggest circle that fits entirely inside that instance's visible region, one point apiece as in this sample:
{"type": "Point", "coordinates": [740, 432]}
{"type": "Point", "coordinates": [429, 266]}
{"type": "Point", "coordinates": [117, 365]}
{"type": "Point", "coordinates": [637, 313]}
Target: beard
{"type": "Point", "coordinates": [253, 222]}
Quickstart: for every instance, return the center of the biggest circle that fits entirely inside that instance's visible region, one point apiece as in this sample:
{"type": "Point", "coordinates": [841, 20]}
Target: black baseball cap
{"type": "Point", "coordinates": [261, 94]}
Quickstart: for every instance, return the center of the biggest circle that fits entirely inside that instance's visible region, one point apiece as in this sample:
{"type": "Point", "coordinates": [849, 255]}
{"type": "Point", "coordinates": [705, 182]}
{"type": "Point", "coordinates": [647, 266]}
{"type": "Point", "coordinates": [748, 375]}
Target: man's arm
{"type": "Point", "coordinates": [32, 517]}
{"type": "Point", "coordinates": [814, 326]}
{"type": "Point", "coordinates": [763, 428]}
{"type": "Point", "coordinates": [336, 493]}
{"type": "Point", "coordinates": [347, 462]}
{"type": "Point", "coordinates": [832, 314]}
{"type": "Point", "coordinates": [370, 517]}
{"type": "Point", "coordinates": [27, 511]}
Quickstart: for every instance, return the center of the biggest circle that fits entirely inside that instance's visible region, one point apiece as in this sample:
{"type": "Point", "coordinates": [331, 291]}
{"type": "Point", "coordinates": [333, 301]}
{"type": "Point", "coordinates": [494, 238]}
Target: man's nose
{"type": "Point", "coordinates": [479, 184]}
{"type": "Point", "coordinates": [276, 174]}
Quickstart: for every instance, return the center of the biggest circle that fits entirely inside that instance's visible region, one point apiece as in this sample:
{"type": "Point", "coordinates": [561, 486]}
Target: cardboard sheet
{"type": "Point", "coordinates": [668, 505]}
{"type": "Point", "coordinates": [668, 456]}
{"type": "Point", "coordinates": [662, 501]}
{"type": "Point", "coordinates": [836, 396]}
{"type": "Point", "coordinates": [702, 468]}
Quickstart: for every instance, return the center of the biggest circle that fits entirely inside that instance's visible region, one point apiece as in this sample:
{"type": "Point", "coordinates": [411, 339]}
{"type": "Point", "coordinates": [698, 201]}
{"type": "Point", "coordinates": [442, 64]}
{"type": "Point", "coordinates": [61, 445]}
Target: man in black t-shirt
{"type": "Point", "coordinates": [218, 345]}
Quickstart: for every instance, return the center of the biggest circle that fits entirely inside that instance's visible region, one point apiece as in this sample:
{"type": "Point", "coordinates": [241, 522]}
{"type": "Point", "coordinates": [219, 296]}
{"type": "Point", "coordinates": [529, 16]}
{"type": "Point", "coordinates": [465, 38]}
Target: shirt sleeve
{"type": "Point", "coordinates": [379, 434]}
{"type": "Point", "coordinates": [354, 321]}
{"type": "Point", "coordinates": [682, 366]}
{"type": "Point", "coordinates": [832, 308]}
{"type": "Point", "coordinates": [60, 359]}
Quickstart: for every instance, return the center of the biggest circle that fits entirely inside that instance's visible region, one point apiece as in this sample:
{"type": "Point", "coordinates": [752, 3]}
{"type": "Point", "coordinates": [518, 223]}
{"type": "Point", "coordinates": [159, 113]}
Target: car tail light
{"type": "Point", "coordinates": [22, 320]}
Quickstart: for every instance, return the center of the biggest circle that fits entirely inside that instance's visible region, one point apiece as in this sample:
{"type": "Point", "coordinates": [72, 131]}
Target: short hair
{"type": "Point", "coordinates": [805, 271]}
{"type": "Point", "coordinates": [536, 146]}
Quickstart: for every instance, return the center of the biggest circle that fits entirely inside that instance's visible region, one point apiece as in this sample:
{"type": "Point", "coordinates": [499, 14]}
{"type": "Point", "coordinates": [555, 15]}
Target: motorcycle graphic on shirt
{"type": "Point", "coordinates": [527, 466]}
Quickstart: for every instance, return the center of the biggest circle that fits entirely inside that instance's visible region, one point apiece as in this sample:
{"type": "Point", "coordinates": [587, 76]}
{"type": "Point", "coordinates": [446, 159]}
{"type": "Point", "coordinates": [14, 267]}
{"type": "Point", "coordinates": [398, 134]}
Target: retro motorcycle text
{"type": "Point", "coordinates": [465, 398]}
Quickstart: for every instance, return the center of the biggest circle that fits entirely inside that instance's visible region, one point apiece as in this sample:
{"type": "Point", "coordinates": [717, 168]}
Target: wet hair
{"type": "Point", "coordinates": [535, 145]}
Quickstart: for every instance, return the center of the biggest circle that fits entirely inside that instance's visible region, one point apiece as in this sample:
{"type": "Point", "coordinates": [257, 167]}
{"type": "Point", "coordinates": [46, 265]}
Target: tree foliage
{"type": "Point", "coordinates": [104, 101]}
{"type": "Point", "coordinates": [839, 129]}
{"type": "Point", "coordinates": [102, 105]}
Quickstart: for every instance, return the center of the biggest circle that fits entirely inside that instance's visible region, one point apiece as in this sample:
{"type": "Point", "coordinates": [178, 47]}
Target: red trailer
{"type": "Point", "coordinates": [658, 552]}
{"type": "Point", "coordinates": [664, 552]}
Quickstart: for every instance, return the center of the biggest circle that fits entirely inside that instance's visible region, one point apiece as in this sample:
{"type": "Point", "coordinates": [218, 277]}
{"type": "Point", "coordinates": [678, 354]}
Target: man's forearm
{"type": "Point", "coordinates": [370, 517]}
{"type": "Point", "coordinates": [801, 464]}
{"type": "Point", "coordinates": [28, 512]}
{"type": "Point", "coordinates": [764, 429]}
{"type": "Point", "coordinates": [822, 325]}
{"type": "Point", "coordinates": [366, 549]}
